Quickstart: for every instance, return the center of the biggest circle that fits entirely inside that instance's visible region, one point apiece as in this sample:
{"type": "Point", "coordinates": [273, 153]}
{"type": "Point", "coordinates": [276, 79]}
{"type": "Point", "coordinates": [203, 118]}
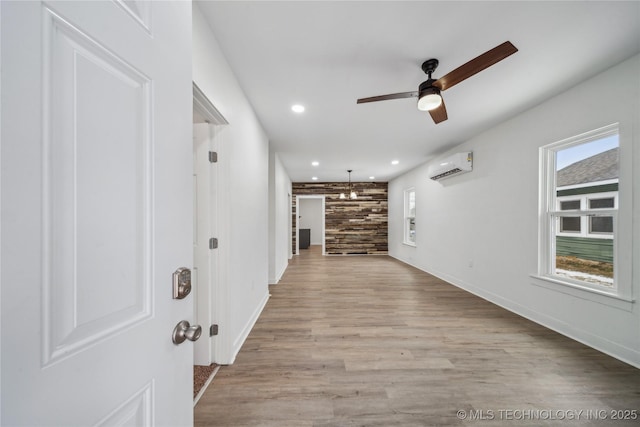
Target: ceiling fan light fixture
{"type": "Point", "coordinates": [428, 93]}
{"type": "Point", "coordinates": [429, 102]}
{"type": "Point", "coordinates": [429, 98]}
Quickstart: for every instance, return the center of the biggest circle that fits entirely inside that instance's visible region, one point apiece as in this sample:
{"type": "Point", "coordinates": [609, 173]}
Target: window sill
{"type": "Point", "coordinates": [413, 245]}
{"type": "Point", "coordinates": [602, 297]}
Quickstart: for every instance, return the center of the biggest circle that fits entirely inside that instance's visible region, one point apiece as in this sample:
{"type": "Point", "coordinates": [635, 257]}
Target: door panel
{"type": "Point", "coordinates": [96, 212]}
{"type": "Point", "coordinates": [94, 219]}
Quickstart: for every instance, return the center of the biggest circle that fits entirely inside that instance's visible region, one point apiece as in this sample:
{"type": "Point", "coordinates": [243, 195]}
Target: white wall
{"type": "Point", "coordinates": [311, 214]}
{"type": "Point", "coordinates": [279, 218]}
{"type": "Point", "coordinates": [243, 199]}
{"type": "Point", "coordinates": [479, 231]}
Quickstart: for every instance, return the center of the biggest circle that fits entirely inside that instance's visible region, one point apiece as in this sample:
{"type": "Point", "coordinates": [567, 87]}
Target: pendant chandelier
{"type": "Point", "coordinates": [352, 194]}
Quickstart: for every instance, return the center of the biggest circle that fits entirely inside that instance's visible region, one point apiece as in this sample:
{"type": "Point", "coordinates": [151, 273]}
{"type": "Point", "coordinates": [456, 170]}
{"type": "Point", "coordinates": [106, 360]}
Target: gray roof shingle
{"type": "Point", "coordinates": [600, 167]}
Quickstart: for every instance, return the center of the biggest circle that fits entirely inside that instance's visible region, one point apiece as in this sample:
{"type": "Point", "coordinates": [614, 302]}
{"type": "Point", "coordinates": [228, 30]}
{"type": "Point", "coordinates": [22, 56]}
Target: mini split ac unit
{"type": "Point", "coordinates": [453, 165]}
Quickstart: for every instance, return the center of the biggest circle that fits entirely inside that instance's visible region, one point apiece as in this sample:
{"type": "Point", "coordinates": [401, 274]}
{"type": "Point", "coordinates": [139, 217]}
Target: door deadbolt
{"type": "Point", "coordinates": [184, 331]}
{"type": "Point", "coordinates": [181, 283]}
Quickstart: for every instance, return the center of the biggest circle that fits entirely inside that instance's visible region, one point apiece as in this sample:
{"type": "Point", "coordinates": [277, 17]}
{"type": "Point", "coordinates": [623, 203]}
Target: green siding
{"type": "Point", "coordinates": [585, 248]}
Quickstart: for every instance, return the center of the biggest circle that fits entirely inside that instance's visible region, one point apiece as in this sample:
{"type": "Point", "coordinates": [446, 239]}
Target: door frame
{"type": "Point", "coordinates": [208, 305]}
{"type": "Point", "coordinates": [298, 198]}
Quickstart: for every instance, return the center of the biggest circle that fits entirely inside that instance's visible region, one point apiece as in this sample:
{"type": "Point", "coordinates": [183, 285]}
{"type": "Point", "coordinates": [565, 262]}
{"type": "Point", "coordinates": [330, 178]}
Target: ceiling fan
{"type": "Point", "coordinates": [428, 94]}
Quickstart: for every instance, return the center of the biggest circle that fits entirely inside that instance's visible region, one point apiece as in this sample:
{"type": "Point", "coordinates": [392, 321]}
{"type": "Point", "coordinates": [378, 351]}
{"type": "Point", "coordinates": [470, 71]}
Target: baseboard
{"type": "Point", "coordinates": [239, 341]}
{"type": "Point", "coordinates": [279, 274]}
{"type": "Point", "coordinates": [601, 344]}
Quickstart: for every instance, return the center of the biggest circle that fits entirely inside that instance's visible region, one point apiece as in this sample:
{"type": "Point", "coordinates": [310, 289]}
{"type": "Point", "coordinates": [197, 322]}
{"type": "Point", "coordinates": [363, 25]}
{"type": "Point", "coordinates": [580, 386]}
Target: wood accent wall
{"type": "Point", "coordinates": [351, 226]}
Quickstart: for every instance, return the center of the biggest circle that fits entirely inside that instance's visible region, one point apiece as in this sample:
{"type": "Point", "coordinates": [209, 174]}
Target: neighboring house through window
{"type": "Point", "coordinates": [579, 209]}
{"type": "Point", "coordinates": [410, 217]}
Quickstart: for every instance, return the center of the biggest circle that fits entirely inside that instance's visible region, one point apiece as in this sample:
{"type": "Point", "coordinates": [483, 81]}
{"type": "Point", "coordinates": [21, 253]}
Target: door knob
{"type": "Point", "coordinates": [184, 331]}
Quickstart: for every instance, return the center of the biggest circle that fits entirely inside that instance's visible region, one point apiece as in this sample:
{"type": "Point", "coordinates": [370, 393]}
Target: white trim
{"type": "Point", "coordinates": [238, 342]}
{"type": "Point", "coordinates": [289, 226]}
{"type": "Point", "coordinates": [3, 146]}
{"type": "Point", "coordinates": [310, 196]}
{"type": "Point", "coordinates": [579, 290]}
{"type": "Point", "coordinates": [209, 308]}
{"type": "Point", "coordinates": [584, 137]}
{"type": "Point", "coordinates": [407, 216]}
{"type": "Point", "coordinates": [222, 349]}
{"type": "Point", "coordinates": [203, 105]}
{"type": "Point", "coordinates": [548, 210]}
{"type": "Point", "coordinates": [279, 274]}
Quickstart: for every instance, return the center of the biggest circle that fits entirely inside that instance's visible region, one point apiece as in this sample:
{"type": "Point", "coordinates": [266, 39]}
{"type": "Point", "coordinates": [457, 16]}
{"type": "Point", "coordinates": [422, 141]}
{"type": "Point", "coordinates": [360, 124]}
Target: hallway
{"type": "Point", "coordinates": [368, 340]}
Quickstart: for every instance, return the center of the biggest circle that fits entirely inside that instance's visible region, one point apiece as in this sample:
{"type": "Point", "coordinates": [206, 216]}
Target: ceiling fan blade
{"type": "Point", "coordinates": [439, 114]}
{"type": "Point", "coordinates": [390, 96]}
{"type": "Point", "coordinates": [476, 65]}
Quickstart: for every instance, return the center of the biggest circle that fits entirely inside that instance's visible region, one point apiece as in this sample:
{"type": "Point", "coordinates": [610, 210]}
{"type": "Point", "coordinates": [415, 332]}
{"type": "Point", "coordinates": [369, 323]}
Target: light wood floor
{"type": "Point", "coordinates": [369, 341]}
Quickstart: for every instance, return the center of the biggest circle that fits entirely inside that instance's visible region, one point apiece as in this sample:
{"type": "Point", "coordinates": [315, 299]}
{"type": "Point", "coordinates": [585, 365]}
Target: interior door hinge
{"type": "Point", "coordinates": [213, 243]}
{"type": "Point", "coordinates": [213, 157]}
{"type": "Point", "coordinates": [213, 330]}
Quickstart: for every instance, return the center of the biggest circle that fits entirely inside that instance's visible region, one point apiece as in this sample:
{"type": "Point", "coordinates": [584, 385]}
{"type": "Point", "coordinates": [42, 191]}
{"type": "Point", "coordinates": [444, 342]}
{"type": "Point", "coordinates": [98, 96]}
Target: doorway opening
{"type": "Point", "coordinates": [310, 223]}
{"type": "Point", "coordinates": [208, 125]}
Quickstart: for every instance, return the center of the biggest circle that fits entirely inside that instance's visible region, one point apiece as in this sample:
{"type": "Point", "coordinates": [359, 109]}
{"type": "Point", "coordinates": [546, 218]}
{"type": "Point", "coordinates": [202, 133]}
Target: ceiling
{"type": "Point", "coordinates": [326, 54]}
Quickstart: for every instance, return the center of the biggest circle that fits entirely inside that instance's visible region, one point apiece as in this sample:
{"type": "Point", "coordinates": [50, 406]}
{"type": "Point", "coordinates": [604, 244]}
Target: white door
{"type": "Point", "coordinates": [96, 212]}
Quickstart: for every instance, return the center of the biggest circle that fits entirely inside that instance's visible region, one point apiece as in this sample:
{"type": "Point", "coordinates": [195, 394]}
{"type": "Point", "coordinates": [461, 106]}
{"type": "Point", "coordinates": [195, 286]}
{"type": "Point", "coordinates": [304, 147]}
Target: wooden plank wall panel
{"type": "Point", "coordinates": [351, 226]}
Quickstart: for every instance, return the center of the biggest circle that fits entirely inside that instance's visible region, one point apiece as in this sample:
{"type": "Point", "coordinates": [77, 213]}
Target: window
{"type": "Point", "coordinates": [579, 210]}
{"type": "Point", "coordinates": [592, 226]}
{"type": "Point", "coordinates": [569, 224]}
{"type": "Point", "coordinates": [410, 217]}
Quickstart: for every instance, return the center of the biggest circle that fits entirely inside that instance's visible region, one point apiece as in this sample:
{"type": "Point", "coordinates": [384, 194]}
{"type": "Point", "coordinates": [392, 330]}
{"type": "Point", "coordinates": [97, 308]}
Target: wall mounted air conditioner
{"type": "Point", "coordinates": [453, 165]}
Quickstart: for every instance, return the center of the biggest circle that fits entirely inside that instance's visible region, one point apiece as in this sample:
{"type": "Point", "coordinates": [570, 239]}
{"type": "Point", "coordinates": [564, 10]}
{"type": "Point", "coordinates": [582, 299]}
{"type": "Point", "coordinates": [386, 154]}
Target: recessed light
{"type": "Point", "coordinates": [372, 177]}
{"type": "Point", "coordinates": [314, 178]}
{"type": "Point", "coordinates": [314, 163]}
{"type": "Point", "coordinates": [395, 162]}
{"type": "Point", "coordinates": [297, 108]}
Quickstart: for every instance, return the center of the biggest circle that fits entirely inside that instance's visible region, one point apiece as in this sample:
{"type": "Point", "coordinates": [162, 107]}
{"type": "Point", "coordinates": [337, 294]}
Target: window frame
{"type": "Point", "coordinates": [586, 214]}
{"type": "Point", "coordinates": [408, 217]}
{"type": "Point", "coordinates": [549, 211]}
